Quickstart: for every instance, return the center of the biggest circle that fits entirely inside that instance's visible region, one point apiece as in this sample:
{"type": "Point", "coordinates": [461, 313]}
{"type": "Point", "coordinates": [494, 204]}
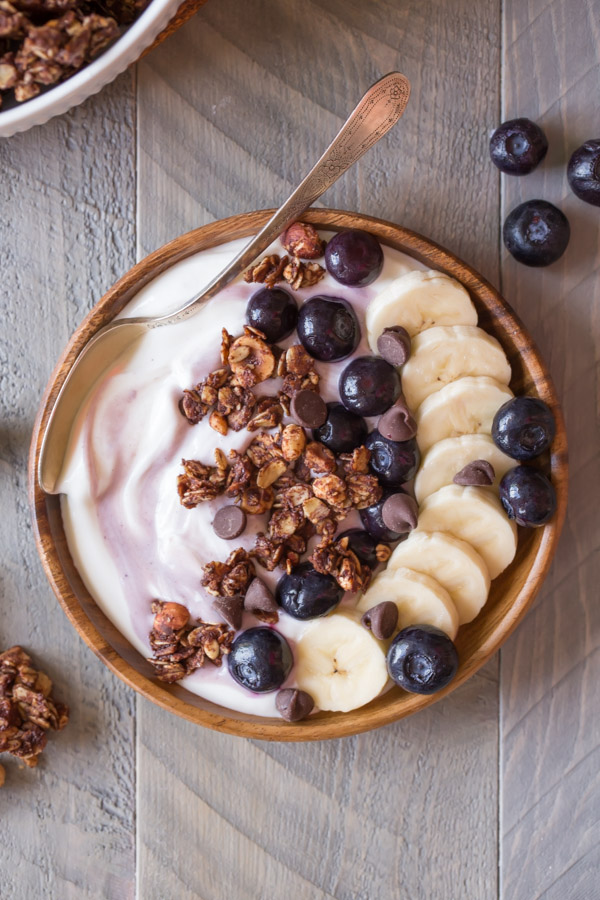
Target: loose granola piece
{"type": "Point", "coordinates": [292, 493]}
{"type": "Point", "coordinates": [332, 489]}
{"type": "Point", "coordinates": [27, 709]}
{"type": "Point", "coordinates": [251, 359]}
{"type": "Point", "coordinates": [268, 271]}
{"type": "Point", "coordinates": [218, 422]}
{"type": "Point", "coordinates": [267, 414]}
{"type": "Point", "coordinates": [263, 448]}
{"type": "Point", "coordinates": [363, 490]}
{"type": "Point", "coordinates": [285, 522]}
{"type": "Point", "coordinates": [241, 469]}
{"type": "Point", "coordinates": [383, 552]}
{"type": "Point", "coordinates": [319, 458]}
{"type": "Point", "coordinates": [356, 462]}
{"type": "Point", "coordinates": [302, 275]}
{"type": "Point", "coordinates": [255, 501]}
{"type": "Point", "coordinates": [230, 578]}
{"type": "Point", "coordinates": [169, 617]}
{"type": "Point", "coordinates": [179, 652]}
{"type": "Point", "coordinates": [201, 482]}
{"type": "Point", "coordinates": [297, 361]}
{"type": "Point", "coordinates": [192, 406]}
{"type": "Point", "coordinates": [270, 472]}
{"type": "Point", "coordinates": [336, 559]}
{"type": "Point", "coordinates": [293, 442]}
{"type": "Point", "coordinates": [302, 240]}
{"type": "Point", "coordinates": [13, 24]}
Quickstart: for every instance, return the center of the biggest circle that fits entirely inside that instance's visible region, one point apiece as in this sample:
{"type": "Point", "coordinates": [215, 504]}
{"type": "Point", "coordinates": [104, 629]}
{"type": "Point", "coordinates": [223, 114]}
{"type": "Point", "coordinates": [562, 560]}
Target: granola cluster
{"type": "Point", "coordinates": [226, 395]}
{"type": "Point", "coordinates": [27, 709]}
{"type": "Point", "coordinates": [302, 242]}
{"type": "Point", "coordinates": [180, 647]}
{"type": "Point", "coordinates": [46, 41]}
{"type": "Point", "coordinates": [305, 488]}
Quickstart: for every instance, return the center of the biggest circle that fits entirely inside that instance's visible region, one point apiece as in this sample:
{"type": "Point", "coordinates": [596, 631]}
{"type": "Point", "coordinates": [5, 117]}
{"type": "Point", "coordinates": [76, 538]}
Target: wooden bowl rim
{"type": "Point", "coordinates": [323, 725]}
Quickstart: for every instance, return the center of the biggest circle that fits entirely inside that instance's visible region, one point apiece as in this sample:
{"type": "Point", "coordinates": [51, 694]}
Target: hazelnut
{"type": "Point", "coordinates": [302, 240]}
{"type": "Point", "coordinates": [171, 617]}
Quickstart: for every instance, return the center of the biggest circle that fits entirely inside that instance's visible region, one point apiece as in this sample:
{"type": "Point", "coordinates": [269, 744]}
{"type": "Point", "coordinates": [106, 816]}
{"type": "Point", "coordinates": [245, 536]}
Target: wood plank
{"type": "Point", "coordinates": [67, 233]}
{"type": "Point", "coordinates": [256, 93]}
{"type": "Point", "coordinates": [551, 666]}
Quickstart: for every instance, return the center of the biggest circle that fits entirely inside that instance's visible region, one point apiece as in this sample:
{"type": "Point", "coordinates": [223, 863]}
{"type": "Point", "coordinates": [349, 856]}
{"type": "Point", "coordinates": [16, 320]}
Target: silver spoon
{"type": "Point", "coordinates": [379, 109]}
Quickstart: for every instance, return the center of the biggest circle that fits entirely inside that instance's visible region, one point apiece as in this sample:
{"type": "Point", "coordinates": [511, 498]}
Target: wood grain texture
{"type": "Point", "coordinates": [551, 667]}
{"type": "Point", "coordinates": [257, 92]}
{"type": "Point", "coordinates": [67, 826]}
{"type": "Point", "coordinates": [511, 593]}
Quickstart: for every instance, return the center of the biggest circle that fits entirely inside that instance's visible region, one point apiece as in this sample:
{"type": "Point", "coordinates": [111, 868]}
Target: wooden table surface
{"type": "Point", "coordinates": [493, 792]}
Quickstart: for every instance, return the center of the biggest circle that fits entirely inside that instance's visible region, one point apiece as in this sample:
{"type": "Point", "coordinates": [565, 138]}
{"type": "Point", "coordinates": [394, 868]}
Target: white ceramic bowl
{"type": "Point", "coordinates": [94, 76]}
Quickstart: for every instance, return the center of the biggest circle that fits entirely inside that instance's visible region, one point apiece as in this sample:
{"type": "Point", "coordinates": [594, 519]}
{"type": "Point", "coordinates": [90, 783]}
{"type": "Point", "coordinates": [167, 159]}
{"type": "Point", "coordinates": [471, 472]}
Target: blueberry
{"type": "Point", "coordinates": [274, 312]}
{"type": "Point", "coordinates": [362, 545]}
{"type": "Point", "coordinates": [583, 172]}
{"type": "Point", "coordinates": [523, 427]}
{"type": "Point", "coordinates": [527, 496]}
{"type": "Point", "coordinates": [422, 659]}
{"type": "Point", "coordinates": [536, 233]}
{"type": "Point", "coordinates": [328, 328]}
{"type": "Point", "coordinates": [394, 462]}
{"type": "Point", "coordinates": [306, 593]}
{"type": "Point", "coordinates": [518, 146]}
{"type": "Point", "coordinates": [369, 385]}
{"type": "Point", "coordinates": [342, 430]}
{"type": "Point", "coordinates": [373, 521]}
{"type": "Point", "coordinates": [354, 257]}
{"type": "Point", "coordinates": [260, 659]}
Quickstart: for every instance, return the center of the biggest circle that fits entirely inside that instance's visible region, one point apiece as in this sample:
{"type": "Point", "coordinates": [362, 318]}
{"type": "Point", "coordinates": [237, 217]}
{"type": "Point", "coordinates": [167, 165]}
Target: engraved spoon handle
{"type": "Point", "coordinates": [377, 112]}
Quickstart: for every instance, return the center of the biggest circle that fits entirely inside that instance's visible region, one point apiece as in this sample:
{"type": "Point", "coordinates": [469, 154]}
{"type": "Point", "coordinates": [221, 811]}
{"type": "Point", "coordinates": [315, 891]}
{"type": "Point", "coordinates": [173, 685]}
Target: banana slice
{"type": "Point", "coordinates": [420, 599]}
{"type": "Point", "coordinates": [340, 663]}
{"type": "Point", "coordinates": [475, 515]}
{"type": "Point", "coordinates": [453, 563]}
{"type": "Point", "coordinates": [417, 301]}
{"type": "Point", "coordinates": [444, 354]}
{"type": "Point", "coordinates": [445, 459]}
{"type": "Point", "coordinates": [465, 406]}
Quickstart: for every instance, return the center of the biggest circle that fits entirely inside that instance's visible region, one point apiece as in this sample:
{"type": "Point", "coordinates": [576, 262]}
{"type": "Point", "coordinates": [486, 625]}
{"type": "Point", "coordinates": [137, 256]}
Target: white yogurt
{"type": "Point", "coordinates": [129, 536]}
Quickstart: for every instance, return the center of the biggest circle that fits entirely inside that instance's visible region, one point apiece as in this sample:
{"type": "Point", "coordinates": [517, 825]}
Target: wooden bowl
{"type": "Point", "coordinates": [511, 595]}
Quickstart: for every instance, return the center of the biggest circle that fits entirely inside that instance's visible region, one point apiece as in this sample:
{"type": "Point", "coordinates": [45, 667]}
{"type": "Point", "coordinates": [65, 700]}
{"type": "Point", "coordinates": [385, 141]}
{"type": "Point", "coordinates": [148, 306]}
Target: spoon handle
{"type": "Point", "coordinates": [379, 109]}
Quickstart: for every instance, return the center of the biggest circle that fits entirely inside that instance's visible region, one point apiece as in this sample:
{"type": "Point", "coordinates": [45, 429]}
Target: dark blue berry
{"type": "Point", "coordinates": [536, 233]}
{"type": "Point", "coordinates": [422, 659]}
{"type": "Point", "coordinates": [369, 385]}
{"type": "Point", "coordinates": [394, 462]}
{"type": "Point", "coordinates": [328, 328]}
{"type": "Point", "coordinates": [523, 427]}
{"type": "Point", "coordinates": [260, 659]}
{"type": "Point", "coordinates": [342, 430]}
{"type": "Point", "coordinates": [354, 257]}
{"type": "Point", "coordinates": [306, 593]}
{"type": "Point", "coordinates": [583, 172]}
{"type": "Point", "coordinates": [527, 496]}
{"type": "Point", "coordinates": [518, 146]}
{"type": "Point", "coordinates": [274, 312]}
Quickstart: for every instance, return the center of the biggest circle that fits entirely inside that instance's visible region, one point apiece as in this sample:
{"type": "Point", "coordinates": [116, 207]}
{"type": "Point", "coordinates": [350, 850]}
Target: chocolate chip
{"type": "Point", "coordinates": [293, 705]}
{"type": "Point", "coordinates": [308, 409]}
{"type": "Point", "coordinates": [260, 601]}
{"type": "Point", "coordinates": [400, 513]}
{"type": "Point", "coordinates": [479, 472]}
{"type": "Point", "coordinates": [394, 345]}
{"type": "Point", "coordinates": [230, 609]}
{"type": "Point", "coordinates": [381, 619]}
{"type": "Point", "coordinates": [397, 424]}
{"type": "Point", "coordinates": [229, 522]}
